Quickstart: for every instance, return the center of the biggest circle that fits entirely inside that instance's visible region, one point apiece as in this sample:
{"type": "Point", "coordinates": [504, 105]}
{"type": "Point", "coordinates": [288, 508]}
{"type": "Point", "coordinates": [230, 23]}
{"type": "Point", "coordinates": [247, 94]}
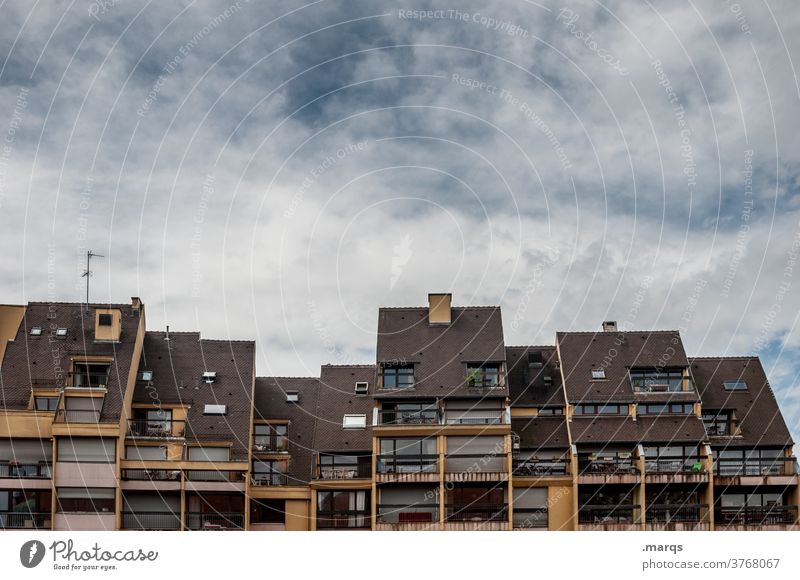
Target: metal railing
{"type": "Point", "coordinates": [40, 470]}
{"type": "Point", "coordinates": [756, 516]}
{"type": "Point", "coordinates": [151, 474]}
{"type": "Point", "coordinates": [473, 417]}
{"type": "Point", "coordinates": [475, 463]}
{"type": "Point", "coordinates": [77, 416]}
{"type": "Point", "coordinates": [345, 471]}
{"type": "Point", "coordinates": [667, 513]}
{"type": "Point", "coordinates": [422, 414]}
{"type": "Point", "coordinates": [532, 467]}
{"type": "Point", "coordinates": [263, 444]}
{"type": "Point", "coordinates": [343, 519]}
{"type": "Point", "coordinates": [675, 465]}
{"type": "Point", "coordinates": [407, 463]}
{"type": "Point", "coordinates": [151, 520]}
{"type": "Point", "coordinates": [608, 514]}
{"type": "Point", "coordinates": [24, 520]}
{"type": "Point", "coordinates": [607, 466]}
{"type": "Point", "coordinates": [215, 521]}
{"type": "Point", "coordinates": [156, 428]}
{"type": "Point", "coordinates": [269, 479]}
{"type": "Point", "coordinates": [530, 518]}
{"type": "Point", "coordinates": [420, 513]}
{"type": "Point", "coordinates": [756, 466]}
{"type": "Point", "coordinates": [476, 513]}
{"type": "Point", "coordinates": [90, 380]}
{"type": "Point", "coordinates": [214, 475]}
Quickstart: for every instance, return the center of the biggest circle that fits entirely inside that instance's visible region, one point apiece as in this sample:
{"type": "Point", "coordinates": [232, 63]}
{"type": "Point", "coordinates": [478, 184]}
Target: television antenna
{"type": "Point", "coordinates": [87, 273]}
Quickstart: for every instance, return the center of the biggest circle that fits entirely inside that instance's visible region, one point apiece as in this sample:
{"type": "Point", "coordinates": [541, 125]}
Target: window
{"type": "Point", "coordinates": [600, 409]}
{"type": "Point", "coordinates": [83, 409]}
{"type": "Point", "coordinates": [105, 319]}
{"type": "Point", "coordinates": [551, 411]}
{"type": "Point", "coordinates": [407, 455]}
{"type": "Point", "coordinates": [215, 410]}
{"type": "Point", "coordinates": [45, 403]}
{"type": "Point", "coordinates": [354, 421]}
{"type": "Point", "coordinates": [61, 332]}
{"type": "Point", "coordinates": [90, 375]}
{"type": "Point", "coordinates": [343, 509]}
{"type": "Point", "coordinates": [36, 331]}
{"type": "Point", "coordinates": [656, 381]}
{"type": "Point", "coordinates": [535, 359]}
{"type": "Point", "coordinates": [269, 473]}
{"type": "Point", "coordinates": [484, 375]}
{"type": "Point", "coordinates": [209, 453]}
{"type": "Point", "coordinates": [87, 449]}
{"type": "Point", "coordinates": [209, 377]}
{"type": "Point", "coordinates": [666, 409]}
{"type": "Point", "coordinates": [717, 423]}
{"type": "Point", "coordinates": [598, 373]}
{"type": "Point", "coordinates": [292, 397]}
{"type": "Point", "coordinates": [344, 466]}
{"type": "Point", "coordinates": [146, 376]}
{"type": "Point", "coordinates": [271, 438]}
{"type": "Point", "coordinates": [398, 376]}
{"type": "Point", "coordinates": [362, 388]}
{"type": "Point", "coordinates": [737, 385]}
{"type": "Point", "coordinates": [85, 499]}
{"type": "Point", "coordinates": [267, 511]}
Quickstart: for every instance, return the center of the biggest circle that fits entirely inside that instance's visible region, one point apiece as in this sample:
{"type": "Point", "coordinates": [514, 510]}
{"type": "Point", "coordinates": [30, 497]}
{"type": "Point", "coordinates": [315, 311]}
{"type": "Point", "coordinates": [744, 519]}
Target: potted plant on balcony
{"type": "Point", "coordinates": [475, 377]}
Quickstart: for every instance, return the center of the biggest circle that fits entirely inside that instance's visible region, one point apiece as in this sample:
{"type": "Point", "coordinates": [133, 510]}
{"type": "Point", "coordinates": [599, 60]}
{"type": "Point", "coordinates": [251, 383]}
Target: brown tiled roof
{"type": "Point", "coordinates": [178, 366]}
{"type": "Point", "coordinates": [440, 352]}
{"type": "Point", "coordinates": [526, 385]}
{"type": "Point", "coordinates": [541, 432]}
{"type": "Point", "coordinates": [645, 430]}
{"type": "Point", "coordinates": [757, 412]}
{"type": "Point", "coordinates": [616, 352]}
{"type": "Point", "coordinates": [44, 361]}
{"type": "Point", "coordinates": [270, 403]}
{"type": "Point", "coordinates": [336, 398]}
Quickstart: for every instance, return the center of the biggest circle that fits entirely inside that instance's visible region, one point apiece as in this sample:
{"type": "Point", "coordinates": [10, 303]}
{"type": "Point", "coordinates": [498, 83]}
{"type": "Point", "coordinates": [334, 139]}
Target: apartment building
{"type": "Point", "coordinates": [106, 425]}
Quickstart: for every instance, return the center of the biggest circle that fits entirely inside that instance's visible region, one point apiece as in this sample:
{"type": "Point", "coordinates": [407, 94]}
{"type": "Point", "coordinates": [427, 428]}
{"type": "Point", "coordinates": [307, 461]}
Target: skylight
{"type": "Point", "coordinates": [737, 385]}
{"type": "Point", "coordinates": [61, 332]}
{"type": "Point", "coordinates": [215, 410]}
{"type": "Point", "coordinates": [598, 373]}
{"type": "Point", "coordinates": [36, 331]}
{"type": "Point", "coordinates": [362, 387]}
{"type": "Point", "coordinates": [146, 376]}
{"type": "Point", "coordinates": [354, 421]}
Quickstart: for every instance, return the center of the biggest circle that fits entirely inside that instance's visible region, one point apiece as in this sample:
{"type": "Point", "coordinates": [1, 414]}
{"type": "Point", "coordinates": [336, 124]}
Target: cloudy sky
{"type": "Point", "coordinates": [255, 169]}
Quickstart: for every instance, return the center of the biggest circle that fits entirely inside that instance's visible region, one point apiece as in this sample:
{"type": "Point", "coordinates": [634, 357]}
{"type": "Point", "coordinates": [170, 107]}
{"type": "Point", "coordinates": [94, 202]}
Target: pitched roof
{"type": "Point", "coordinates": [44, 361]}
{"type": "Point", "coordinates": [526, 384]}
{"type": "Point", "coordinates": [270, 403]}
{"type": "Point", "coordinates": [336, 398]}
{"type": "Point", "coordinates": [440, 352]}
{"type": "Point", "coordinates": [645, 430]}
{"type": "Point", "coordinates": [616, 353]}
{"type": "Point", "coordinates": [541, 432]}
{"type": "Point", "coordinates": [759, 417]}
{"type": "Point", "coordinates": [178, 366]}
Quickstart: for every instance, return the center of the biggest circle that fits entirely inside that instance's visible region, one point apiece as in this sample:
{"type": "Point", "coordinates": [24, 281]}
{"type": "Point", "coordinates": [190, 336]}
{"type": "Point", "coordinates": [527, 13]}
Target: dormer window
{"type": "Point", "coordinates": [397, 376]}
{"type": "Point", "coordinates": [598, 373]}
{"type": "Point", "coordinates": [656, 381]}
{"type": "Point", "coordinates": [88, 375]}
{"type": "Point", "coordinates": [487, 375]}
{"type": "Point", "coordinates": [719, 423]}
{"type": "Point", "coordinates": [209, 377]}
{"type": "Point", "coordinates": [535, 359]}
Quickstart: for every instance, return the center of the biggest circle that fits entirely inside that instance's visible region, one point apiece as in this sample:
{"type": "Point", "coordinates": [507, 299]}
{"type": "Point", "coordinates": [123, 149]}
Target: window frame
{"type": "Point", "coordinates": [398, 371]}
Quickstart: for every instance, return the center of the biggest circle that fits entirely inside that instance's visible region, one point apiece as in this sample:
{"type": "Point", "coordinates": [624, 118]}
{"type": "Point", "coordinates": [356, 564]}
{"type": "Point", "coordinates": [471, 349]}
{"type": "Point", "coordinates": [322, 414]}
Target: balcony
{"type": "Point", "coordinates": [407, 468]}
{"type": "Point", "coordinates": [678, 517]}
{"type": "Point", "coordinates": [777, 517]}
{"type": "Point", "coordinates": [151, 474]}
{"type": "Point", "coordinates": [534, 467]}
{"type": "Point", "coordinates": [23, 520]}
{"type": "Point", "coordinates": [409, 414]}
{"type": "Point", "coordinates": [776, 470]}
{"type": "Point", "coordinates": [269, 479]}
{"type": "Point", "coordinates": [676, 470]}
{"type": "Point", "coordinates": [151, 521]}
{"type": "Point", "coordinates": [346, 471]}
{"type": "Point", "coordinates": [215, 521]}
{"type": "Point", "coordinates": [77, 416]}
{"type": "Point", "coordinates": [401, 517]}
{"type": "Point", "coordinates": [83, 380]}
{"type": "Point", "coordinates": [15, 470]}
{"type": "Point", "coordinates": [530, 518]}
{"type": "Point", "coordinates": [608, 469]}
{"type": "Point", "coordinates": [472, 416]}
{"type": "Point", "coordinates": [346, 519]}
{"type": "Point", "coordinates": [476, 517]}
{"type": "Point", "coordinates": [648, 381]}
{"type": "Point", "coordinates": [463, 467]}
{"type": "Point", "coordinates": [609, 517]}
{"type": "Point", "coordinates": [155, 429]}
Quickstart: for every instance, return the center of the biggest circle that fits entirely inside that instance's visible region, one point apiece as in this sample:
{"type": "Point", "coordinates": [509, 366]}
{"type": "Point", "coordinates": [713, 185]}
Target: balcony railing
{"type": "Point", "coordinates": [345, 471]}
{"type": "Point", "coordinates": [473, 417]}
{"type": "Point", "coordinates": [422, 414]}
{"type": "Point", "coordinates": [155, 428]}
{"type": "Point", "coordinates": [667, 513]}
{"type": "Point", "coordinates": [77, 416]}
{"type": "Point", "coordinates": [90, 380]}
{"type": "Point", "coordinates": [352, 519]}
{"type": "Point", "coordinates": [532, 467]}
{"type": "Point", "coordinates": [675, 465]}
{"type": "Point", "coordinates": [756, 467]}
{"type": "Point", "coordinates": [263, 444]}
{"type": "Point", "coordinates": [215, 521]}
{"type": "Point", "coordinates": [607, 466]}
{"type": "Point", "coordinates": [24, 520]}
{"type": "Point", "coordinates": [756, 516]}
{"type": "Point", "coordinates": [608, 514]}
{"type": "Point", "coordinates": [215, 475]}
{"type": "Point", "coordinates": [476, 513]}
{"type": "Point", "coordinates": [151, 474]}
{"type": "Point", "coordinates": [407, 463]}
{"type": "Point", "coordinates": [40, 470]}
{"type": "Point", "coordinates": [151, 521]}
{"type": "Point", "coordinates": [408, 514]}
{"type": "Point", "coordinates": [530, 518]}
{"type": "Point", "coordinates": [274, 478]}
{"type": "Point", "coordinates": [475, 463]}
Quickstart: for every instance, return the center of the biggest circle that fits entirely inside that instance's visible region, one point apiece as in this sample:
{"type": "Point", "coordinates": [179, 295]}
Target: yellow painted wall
{"type": "Point", "coordinates": [109, 333]}
{"type": "Point", "coordinates": [560, 507]}
{"type": "Point", "coordinates": [297, 515]}
{"type": "Point", "coordinates": [26, 424]}
{"type": "Point", "coordinates": [10, 319]}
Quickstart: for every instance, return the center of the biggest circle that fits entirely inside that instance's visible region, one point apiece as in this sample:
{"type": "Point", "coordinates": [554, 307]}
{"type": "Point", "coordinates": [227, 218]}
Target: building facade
{"type": "Point", "coordinates": [106, 425]}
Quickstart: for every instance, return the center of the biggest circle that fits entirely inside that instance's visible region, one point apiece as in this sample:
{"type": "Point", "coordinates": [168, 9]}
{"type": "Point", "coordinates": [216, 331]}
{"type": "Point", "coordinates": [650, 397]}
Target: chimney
{"type": "Point", "coordinates": [610, 326]}
{"type": "Point", "coordinates": [136, 303]}
{"type": "Point", "coordinates": [439, 308]}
